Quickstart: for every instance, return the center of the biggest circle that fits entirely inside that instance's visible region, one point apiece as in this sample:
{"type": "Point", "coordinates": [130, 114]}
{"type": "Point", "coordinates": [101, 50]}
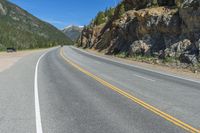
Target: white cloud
{"type": "Point", "coordinates": [80, 26]}
{"type": "Point", "coordinates": [56, 22]}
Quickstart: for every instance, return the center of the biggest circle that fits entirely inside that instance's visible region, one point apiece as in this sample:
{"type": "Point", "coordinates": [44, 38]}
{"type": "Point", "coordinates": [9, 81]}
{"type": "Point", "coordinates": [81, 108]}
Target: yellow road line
{"type": "Point", "coordinates": [133, 98]}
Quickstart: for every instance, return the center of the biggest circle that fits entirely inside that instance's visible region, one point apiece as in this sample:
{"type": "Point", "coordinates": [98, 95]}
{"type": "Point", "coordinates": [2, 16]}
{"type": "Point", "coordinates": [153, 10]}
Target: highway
{"type": "Point", "coordinates": [67, 90]}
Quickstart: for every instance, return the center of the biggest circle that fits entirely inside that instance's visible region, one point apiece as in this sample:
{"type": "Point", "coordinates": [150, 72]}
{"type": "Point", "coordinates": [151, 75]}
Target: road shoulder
{"type": "Point", "coordinates": [155, 67]}
{"type": "Point", "coordinates": [7, 60]}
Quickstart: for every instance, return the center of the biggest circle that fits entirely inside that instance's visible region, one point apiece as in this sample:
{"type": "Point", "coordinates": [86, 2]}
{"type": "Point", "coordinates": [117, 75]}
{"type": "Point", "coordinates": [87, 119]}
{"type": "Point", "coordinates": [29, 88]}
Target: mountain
{"type": "Point", "coordinates": [167, 30]}
{"type": "Point", "coordinates": [22, 30]}
{"type": "Point", "coordinates": [73, 32]}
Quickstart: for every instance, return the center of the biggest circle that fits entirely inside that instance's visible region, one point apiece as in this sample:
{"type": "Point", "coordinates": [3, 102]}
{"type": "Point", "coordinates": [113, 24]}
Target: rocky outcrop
{"type": "Point", "coordinates": [159, 28]}
{"type": "Point", "coordinates": [2, 10]}
{"type": "Point", "coordinates": [176, 49]}
{"type": "Point", "coordinates": [190, 14]}
{"type": "Point", "coordinates": [89, 36]}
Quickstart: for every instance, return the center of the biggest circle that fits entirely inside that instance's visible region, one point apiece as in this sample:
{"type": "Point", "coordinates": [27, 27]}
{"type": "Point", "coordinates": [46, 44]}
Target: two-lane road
{"type": "Point", "coordinates": [82, 93]}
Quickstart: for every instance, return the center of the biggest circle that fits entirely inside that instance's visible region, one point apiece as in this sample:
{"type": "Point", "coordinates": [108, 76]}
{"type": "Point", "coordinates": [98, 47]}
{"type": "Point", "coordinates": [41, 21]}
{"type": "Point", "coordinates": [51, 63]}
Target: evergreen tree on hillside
{"type": "Point", "coordinates": [122, 9]}
{"type": "Point", "coordinates": [109, 13]}
{"type": "Point", "coordinates": [21, 30]}
{"type": "Point", "coordinates": [100, 18]}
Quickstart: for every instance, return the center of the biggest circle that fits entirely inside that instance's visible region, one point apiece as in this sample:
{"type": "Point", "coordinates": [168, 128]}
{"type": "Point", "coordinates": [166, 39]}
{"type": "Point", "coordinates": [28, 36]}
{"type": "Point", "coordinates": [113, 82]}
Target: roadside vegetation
{"type": "Point", "coordinates": [21, 30]}
{"type": "Point", "coordinates": [168, 61]}
{"type": "Point", "coordinates": [103, 16]}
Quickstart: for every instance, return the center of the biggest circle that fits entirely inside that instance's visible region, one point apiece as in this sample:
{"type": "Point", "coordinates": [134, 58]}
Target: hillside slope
{"type": "Point", "coordinates": [73, 32]}
{"type": "Point", "coordinates": [168, 30]}
{"type": "Point", "coordinates": [20, 29]}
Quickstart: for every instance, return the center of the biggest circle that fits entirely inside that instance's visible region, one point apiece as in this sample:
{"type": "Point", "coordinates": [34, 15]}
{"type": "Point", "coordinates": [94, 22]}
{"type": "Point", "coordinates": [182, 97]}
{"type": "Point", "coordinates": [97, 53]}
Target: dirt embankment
{"type": "Point", "coordinates": [9, 59]}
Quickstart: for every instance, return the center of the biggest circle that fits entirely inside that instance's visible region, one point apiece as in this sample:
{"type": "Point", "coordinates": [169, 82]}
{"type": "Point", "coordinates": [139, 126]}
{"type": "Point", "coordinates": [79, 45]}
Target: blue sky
{"type": "Point", "coordinates": [62, 13]}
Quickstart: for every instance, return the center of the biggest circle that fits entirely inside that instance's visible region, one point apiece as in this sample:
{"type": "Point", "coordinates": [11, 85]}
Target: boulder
{"type": "Point", "coordinates": [142, 47]}
{"type": "Point", "coordinates": [177, 49]}
{"type": "Point", "coordinates": [188, 58]}
{"type": "Point", "coordinates": [139, 48]}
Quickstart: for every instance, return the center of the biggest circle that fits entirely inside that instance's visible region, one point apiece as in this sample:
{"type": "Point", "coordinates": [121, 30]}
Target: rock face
{"type": "Point", "coordinates": [190, 14]}
{"type": "Point", "coordinates": [159, 28]}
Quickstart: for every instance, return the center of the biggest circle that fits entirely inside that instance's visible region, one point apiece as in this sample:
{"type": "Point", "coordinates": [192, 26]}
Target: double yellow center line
{"type": "Point", "coordinates": [133, 98]}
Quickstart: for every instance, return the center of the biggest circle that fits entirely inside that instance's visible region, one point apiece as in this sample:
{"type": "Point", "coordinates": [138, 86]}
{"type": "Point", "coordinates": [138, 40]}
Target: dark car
{"type": "Point", "coordinates": [11, 50]}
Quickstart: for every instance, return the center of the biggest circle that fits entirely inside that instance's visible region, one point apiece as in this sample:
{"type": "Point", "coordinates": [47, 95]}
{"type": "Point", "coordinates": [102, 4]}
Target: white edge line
{"type": "Point", "coordinates": [179, 77]}
{"type": "Point", "coordinates": [144, 78]}
{"type": "Point", "coordinates": [37, 103]}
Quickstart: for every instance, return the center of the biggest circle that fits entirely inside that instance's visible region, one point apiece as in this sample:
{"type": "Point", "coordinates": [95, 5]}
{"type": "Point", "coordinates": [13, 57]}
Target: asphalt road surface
{"type": "Point", "coordinates": [67, 90]}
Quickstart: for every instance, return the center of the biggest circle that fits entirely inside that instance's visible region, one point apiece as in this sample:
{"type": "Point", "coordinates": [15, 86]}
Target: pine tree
{"type": "Point", "coordinates": [100, 18]}
{"type": "Point", "coordinates": [109, 13]}
{"type": "Point", "coordinates": [121, 9]}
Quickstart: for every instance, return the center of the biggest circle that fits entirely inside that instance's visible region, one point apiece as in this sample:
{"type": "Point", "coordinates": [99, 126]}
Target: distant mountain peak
{"type": "Point", "coordinates": [80, 26]}
{"type": "Point", "coordinates": [73, 31]}
{"type": "Point", "coordinates": [73, 26]}
{"type": "Point", "coordinates": [21, 30]}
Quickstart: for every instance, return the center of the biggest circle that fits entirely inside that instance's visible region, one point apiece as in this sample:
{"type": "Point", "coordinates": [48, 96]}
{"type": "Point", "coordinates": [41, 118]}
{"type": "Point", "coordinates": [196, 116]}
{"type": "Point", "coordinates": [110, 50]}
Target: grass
{"type": "Point", "coordinates": [169, 60]}
{"type": "Point", "coordinates": [148, 59]}
{"type": "Point", "coordinates": [122, 55]}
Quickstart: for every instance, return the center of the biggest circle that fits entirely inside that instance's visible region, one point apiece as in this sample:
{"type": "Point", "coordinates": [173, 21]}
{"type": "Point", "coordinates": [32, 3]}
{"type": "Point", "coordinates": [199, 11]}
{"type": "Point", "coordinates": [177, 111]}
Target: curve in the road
{"type": "Point", "coordinates": [37, 103]}
{"type": "Point", "coordinates": [151, 108]}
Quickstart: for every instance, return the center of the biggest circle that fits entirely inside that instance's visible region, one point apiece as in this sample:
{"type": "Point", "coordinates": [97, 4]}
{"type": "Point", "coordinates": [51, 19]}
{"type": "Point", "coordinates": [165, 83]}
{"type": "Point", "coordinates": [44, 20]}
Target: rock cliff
{"type": "Point", "coordinates": [157, 28]}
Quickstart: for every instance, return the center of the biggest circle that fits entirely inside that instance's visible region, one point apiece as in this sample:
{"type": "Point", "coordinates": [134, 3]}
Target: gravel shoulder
{"type": "Point", "coordinates": [9, 59]}
{"type": "Point", "coordinates": [167, 69]}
